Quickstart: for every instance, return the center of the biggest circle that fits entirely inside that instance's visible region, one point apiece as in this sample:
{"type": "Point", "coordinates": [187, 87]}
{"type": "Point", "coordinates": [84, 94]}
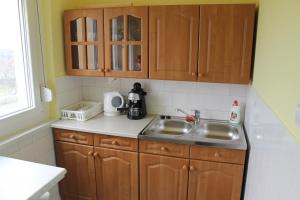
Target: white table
{"type": "Point", "coordinates": [22, 180]}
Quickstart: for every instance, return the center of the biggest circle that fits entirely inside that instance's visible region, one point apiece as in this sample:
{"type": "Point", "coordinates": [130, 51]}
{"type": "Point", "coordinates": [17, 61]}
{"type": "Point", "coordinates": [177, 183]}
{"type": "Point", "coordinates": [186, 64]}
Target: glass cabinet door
{"type": "Point", "coordinates": [117, 61]}
{"type": "Point", "coordinates": [134, 58]}
{"type": "Point", "coordinates": [134, 46]}
{"type": "Point", "coordinates": [117, 39]}
{"type": "Point", "coordinates": [91, 29]}
{"type": "Point", "coordinates": [126, 52]}
{"type": "Point", "coordinates": [134, 28]}
{"type": "Point", "coordinates": [76, 30]}
{"type": "Point", "coordinates": [84, 41]}
{"type": "Point", "coordinates": [117, 28]}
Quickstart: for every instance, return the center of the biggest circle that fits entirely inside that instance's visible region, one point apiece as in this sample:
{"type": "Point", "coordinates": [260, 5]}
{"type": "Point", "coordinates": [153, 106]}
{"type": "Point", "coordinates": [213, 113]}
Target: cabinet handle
{"type": "Point", "coordinates": [201, 75]}
{"type": "Point", "coordinates": [193, 73]}
{"type": "Point", "coordinates": [107, 70]}
{"type": "Point", "coordinates": [114, 142]}
{"type": "Point", "coordinates": [192, 168]}
{"type": "Point", "coordinates": [216, 155]}
{"type": "Point", "coordinates": [184, 167]}
{"type": "Point", "coordinates": [90, 153]}
{"type": "Point", "coordinates": [102, 70]}
{"type": "Point", "coordinates": [72, 137]}
{"type": "Point", "coordinates": [163, 148]}
{"type": "Point", "coordinates": [95, 154]}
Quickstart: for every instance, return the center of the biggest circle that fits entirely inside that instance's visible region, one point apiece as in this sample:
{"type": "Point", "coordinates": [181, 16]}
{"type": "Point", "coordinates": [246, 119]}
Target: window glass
{"type": "Point", "coordinates": [16, 88]}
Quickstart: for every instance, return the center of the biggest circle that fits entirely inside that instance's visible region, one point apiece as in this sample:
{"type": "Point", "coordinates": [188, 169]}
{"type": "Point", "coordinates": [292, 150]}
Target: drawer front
{"type": "Point", "coordinates": [163, 148]}
{"type": "Point", "coordinates": [114, 142]}
{"type": "Point", "coordinates": [73, 136]}
{"type": "Point", "coordinates": [218, 154]}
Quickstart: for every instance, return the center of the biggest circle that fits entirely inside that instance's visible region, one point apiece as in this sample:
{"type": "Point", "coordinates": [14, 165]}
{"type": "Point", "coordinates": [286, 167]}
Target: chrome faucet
{"type": "Point", "coordinates": [196, 115]}
{"type": "Point", "coordinates": [182, 111]}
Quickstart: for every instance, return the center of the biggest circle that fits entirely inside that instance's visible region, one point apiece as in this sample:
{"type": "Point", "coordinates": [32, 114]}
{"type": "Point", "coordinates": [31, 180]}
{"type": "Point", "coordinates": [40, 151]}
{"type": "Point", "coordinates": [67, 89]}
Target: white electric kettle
{"type": "Point", "coordinates": [112, 101]}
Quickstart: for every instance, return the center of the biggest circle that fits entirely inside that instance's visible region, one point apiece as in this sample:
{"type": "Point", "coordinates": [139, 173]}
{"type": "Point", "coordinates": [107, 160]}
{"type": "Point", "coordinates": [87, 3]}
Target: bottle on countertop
{"type": "Point", "coordinates": [235, 113]}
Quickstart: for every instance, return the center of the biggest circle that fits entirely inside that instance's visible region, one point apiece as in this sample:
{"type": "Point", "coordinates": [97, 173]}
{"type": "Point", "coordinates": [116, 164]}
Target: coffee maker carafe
{"type": "Point", "coordinates": [136, 102]}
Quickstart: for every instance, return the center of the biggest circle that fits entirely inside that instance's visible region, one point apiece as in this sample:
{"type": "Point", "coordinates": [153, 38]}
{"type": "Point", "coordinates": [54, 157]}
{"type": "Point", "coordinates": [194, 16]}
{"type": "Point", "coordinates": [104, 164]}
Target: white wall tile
{"type": "Point", "coordinates": [212, 99]}
{"type": "Point", "coordinates": [69, 90]}
{"type": "Point", "coordinates": [180, 86]}
{"type": "Point", "coordinates": [66, 83]}
{"type": "Point", "coordinates": [92, 93]}
{"type": "Point", "coordinates": [273, 168]}
{"type": "Point", "coordinates": [238, 90]}
{"type": "Point", "coordinates": [165, 96]}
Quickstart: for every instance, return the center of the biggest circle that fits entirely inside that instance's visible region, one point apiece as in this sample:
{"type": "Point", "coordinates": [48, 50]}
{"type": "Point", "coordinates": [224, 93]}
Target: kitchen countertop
{"type": "Point", "coordinates": [20, 180]}
{"type": "Point", "coordinates": [116, 125]}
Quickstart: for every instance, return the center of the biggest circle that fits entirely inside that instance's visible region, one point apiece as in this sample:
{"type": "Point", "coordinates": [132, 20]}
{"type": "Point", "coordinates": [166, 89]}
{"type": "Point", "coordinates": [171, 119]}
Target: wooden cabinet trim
{"type": "Point", "coordinates": [114, 142]}
{"type": "Point", "coordinates": [164, 148]}
{"type": "Point", "coordinates": [217, 154]}
{"type": "Point", "coordinates": [73, 136]}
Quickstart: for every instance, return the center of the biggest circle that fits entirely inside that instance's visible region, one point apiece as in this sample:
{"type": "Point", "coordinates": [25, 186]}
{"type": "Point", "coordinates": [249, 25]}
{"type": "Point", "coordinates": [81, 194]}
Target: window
{"type": "Point", "coordinates": [16, 85]}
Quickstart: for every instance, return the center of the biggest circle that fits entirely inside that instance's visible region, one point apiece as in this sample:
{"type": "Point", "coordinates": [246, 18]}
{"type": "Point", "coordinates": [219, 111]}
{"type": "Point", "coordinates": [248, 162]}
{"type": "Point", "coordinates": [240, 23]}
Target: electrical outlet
{"type": "Point", "coordinates": [46, 94]}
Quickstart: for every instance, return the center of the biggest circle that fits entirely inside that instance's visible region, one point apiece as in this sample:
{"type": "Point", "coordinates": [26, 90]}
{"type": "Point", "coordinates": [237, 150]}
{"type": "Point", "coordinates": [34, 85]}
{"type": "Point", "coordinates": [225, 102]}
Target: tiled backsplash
{"type": "Point", "coordinates": [273, 168]}
{"type": "Point", "coordinates": [213, 100]}
{"type": "Point", "coordinates": [69, 90]}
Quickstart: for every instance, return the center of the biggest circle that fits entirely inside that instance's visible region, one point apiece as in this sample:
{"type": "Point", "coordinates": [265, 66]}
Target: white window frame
{"type": "Point", "coordinates": [38, 113]}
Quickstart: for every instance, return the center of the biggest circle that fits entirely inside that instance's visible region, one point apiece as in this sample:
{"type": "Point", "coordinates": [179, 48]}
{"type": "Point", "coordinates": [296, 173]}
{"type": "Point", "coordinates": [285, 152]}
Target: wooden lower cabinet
{"type": "Point", "coordinates": [163, 178]}
{"type": "Point", "coordinates": [157, 172]}
{"type": "Point", "coordinates": [116, 174]}
{"type": "Point", "coordinates": [80, 182]}
{"type": "Point", "coordinates": [214, 181]}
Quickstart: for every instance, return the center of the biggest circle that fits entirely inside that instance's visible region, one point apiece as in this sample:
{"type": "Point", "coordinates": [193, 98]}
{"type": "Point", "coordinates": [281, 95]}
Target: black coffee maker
{"type": "Point", "coordinates": [136, 102]}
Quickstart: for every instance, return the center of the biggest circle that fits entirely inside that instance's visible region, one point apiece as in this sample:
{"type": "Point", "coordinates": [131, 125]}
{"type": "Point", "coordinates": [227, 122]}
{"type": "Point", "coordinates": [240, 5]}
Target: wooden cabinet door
{"type": "Point", "coordinates": [117, 174]}
{"type": "Point", "coordinates": [126, 42]}
{"type": "Point", "coordinates": [80, 182]}
{"type": "Point", "coordinates": [173, 42]}
{"type": "Point", "coordinates": [163, 178]}
{"type": "Point", "coordinates": [84, 46]}
{"type": "Point", "coordinates": [225, 46]}
{"type": "Point", "coordinates": [215, 181]}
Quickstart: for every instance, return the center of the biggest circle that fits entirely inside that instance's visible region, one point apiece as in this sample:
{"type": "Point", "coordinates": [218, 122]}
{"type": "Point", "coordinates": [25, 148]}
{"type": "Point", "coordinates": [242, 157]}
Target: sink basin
{"type": "Point", "coordinates": [215, 133]}
{"type": "Point", "coordinates": [218, 131]}
{"type": "Point", "coordinates": [171, 127]}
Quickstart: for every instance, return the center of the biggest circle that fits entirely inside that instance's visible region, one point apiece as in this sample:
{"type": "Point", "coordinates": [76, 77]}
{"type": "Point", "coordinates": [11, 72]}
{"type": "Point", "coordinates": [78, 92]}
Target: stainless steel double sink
{"type": "Point", "coordinates": [207, 132]}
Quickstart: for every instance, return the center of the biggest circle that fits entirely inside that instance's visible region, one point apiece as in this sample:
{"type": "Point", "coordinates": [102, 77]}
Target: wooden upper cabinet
{"type": "Point", "coordinates": [163, 178]}
{"type": "Point", "coordinates": [214, 181]}
{"type": "Point", "coordinates": [173, 42]}
{"type": "Point", "coordinates": [225, 46]}
{"type": "Point", "coordinates": [80, 180]}
{"type": "Point", "coordinates": [84, 47]}
{"type": "Point", "coordinates": [126, 42]}
{"type": "Point", "coordinates": [117, 174]}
